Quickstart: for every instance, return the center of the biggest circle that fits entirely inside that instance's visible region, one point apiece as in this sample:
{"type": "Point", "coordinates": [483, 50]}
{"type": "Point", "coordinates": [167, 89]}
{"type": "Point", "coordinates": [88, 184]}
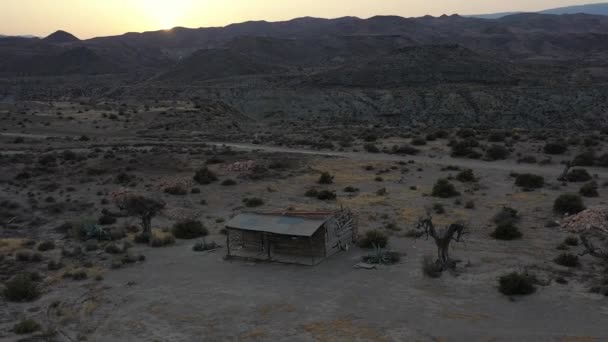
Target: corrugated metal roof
{"type": "Point", "coordinates": [285, 223]}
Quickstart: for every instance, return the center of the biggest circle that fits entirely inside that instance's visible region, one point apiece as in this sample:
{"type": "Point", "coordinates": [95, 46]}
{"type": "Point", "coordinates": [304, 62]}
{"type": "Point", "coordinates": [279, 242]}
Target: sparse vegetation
{"type": "Point", "coordinates": [568, 204]}
{"type": "Point", "coordinates": [21, 288]}
{"type": "Point", "coordinates": [529, 181]}
{"type": "Point", "coordinates": [373, 239]}
{"type": "Point", "coordinates": [26, 326]}
{"type": "Point", "coordinates": [189, 229]}
{"type": "Point", "coordinates": [204, 176]}
{"type": "Point", "coordinates": [516, 283]}
{"type": "Point", "coordinates": [444, 189]}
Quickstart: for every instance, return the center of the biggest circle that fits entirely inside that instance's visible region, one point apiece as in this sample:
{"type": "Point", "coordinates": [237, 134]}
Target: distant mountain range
{"type": "Point", "coordinates": [594, 9]}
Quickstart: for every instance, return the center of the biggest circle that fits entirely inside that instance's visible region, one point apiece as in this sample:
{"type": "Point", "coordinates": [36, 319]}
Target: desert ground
{"type": "Point", "coordinates": [63, 164]}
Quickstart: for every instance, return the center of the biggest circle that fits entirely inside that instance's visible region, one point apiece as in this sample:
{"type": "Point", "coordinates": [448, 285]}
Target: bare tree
{"type": "Point", "coordinates": [442, 238]}
{"type": "Point", "coordinates": [143, 207]}
{"type": "Point", "coordinates": [564, 176]}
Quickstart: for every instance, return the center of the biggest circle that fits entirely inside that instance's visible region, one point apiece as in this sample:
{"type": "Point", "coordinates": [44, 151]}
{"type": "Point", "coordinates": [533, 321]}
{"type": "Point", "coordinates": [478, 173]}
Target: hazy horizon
{"type": "Point", "coordinates": [111, 17]}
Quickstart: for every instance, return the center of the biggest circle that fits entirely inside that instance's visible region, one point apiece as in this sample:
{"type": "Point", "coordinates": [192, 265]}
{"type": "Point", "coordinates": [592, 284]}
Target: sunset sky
{"type": "Point", "coordinates": [90, 18]}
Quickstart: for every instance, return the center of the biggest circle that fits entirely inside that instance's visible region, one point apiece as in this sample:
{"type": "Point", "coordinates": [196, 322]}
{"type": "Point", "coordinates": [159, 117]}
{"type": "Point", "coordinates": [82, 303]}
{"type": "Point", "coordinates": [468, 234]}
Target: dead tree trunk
{"type": "Point", "coordinates": [442, 239]}
{"type": "Point", "coordinates": [564, 176]}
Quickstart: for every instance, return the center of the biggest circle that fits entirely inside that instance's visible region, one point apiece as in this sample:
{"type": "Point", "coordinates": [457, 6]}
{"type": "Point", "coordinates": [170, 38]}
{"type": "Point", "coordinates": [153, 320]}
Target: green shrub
{"type": "Point", "coordinates": [326, 178]}
{"type": "Point", "coordinates": [584, 159]}
{"type": "Point", "coordinates": [26, 326]}
{"type": "Point", "coordinates": [555, 147]}
{"type": "Point", "coordinates": [444, 189]}
{"type": "Point", "coordinates": [176, 190]}
{"type": "Point", "coordinates": [568, 204]}
{"type": "Point", "coordinates": [326, 195]}
{"type": "Point", "coordinates": [371, 148]}
{"type": "Point", "coordinates": [418, 141]}
{"type": "Point", "coordinates": [506, 231]}
{"type": "Point", "coordinates": [567, 259]}
{"type": "Point", "coordinates": [589, 190]}
{"type": "Point", "coordinates": [253, 202]}
{"type": "Point", "coordinates": [46, 246]}
{"type": "Point", "coordinates": [529, 181]}
{"type": "Point", "coordinates": [517, 284]}
{"type": "Point", "coordinates": [205, 176]}
{"type": "Point", "coordinates": [577, 175]}
{"type": "Point", "coordinates": [351, 189]}
{"type": "Point", "coordinates": [438, 208]}
{"type": "Point", "coordinates": [506, 215]}
{"type": "Point", "coordinates": [189, 229]}
{"type": "Point", "coordinates": [229, 182]}
{"type": "Point", "coordinates": [27, 255]}
{"type": "Point", "coordinates": [404, 149]}
{"type": "Point", "coordinates": [571, 241]}
{"type": "Point", "coordinates": [105, 220]}
{"type": "Point", "coordinates": [497, 152]}
{"type": "Point", "coordinates": [466, 176]}
{"type": "Point", "coordinates": [21, 288]}
{"type": "Point", "coordinates": [373, 238]}
{"type": "Point", "coordinates": [311, 193]}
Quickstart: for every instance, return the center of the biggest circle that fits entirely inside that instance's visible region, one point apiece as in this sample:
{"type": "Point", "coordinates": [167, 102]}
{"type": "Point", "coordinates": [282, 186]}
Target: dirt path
{"type": "Point", "coordinates": [502, 165]}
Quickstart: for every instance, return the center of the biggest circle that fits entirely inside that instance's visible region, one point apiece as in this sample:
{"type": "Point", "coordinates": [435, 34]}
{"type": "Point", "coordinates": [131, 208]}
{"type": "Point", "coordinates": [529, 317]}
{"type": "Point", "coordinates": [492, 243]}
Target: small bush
{"type": "Point", "coordinates": [46, 246]}
{"type": "Point", "coordinates": [497, 152]}
{"type": "Point", "coordinates": [204, 176]}
{"type": "Point", "coordinates": [555, 147]}
{"type": "Point", "coordinates": [444, 189]}
{"type": "Point", "coordinates": [203, 246]}
{"type": "Point", "coordinates": [311, 193]}
{"type": "Point", "coordinates": [76, 275]}
{"type": "Point", "coordinates": [506, 231]}
{"type": "Point", "coordinates": [161, 239]}
{"type": "Point", "coordinates": [469, 204]}
{"type": "Point", "coordinates": [27, 255]}
{"type": "Point", "coordinates": [584, 159]}
{"type": "Point", "coordinates": [438, 208]}
{"type": "Point", "coordinates": [466, 176]}
{"type": "Point", "coordinates": [326, 178]}
{"type": "Point", "coordinates": [253, 202]}
{"type": "Point", "coordinates": [578, 175]}
{"type": "Point", "coordinates": [105, 220]}
{"type": "Point", "coordinates": [506, 215]}
{"type": "Point", "coordinates": [373, 239]}
{"type": "Point", "coordinates": [351, 189]}
{"type": "Point", "coordinates": [589, 190]}
{"type": "Point", "coordinates": [517, 284]}
{"type": "Point", "coordinates": [326, 195]}
{"type": "Point", "coordinates": [189, 229]}
{"type": "Point", "coordinates": [430, 267]}
{"type": "Point", "coordinates": [229, 182]}
{"type": "Point", "coordinates": [571, 241]}
{"type": "Point", "coordinates": [21, 288]}
{"type": "Point", "coordinates": [529, 181]}
{"type": "Point", "coordinates": [567, 259]}
{"type": "Point", "coordinates": [371, 148]}
{"type": "Point", "coordinates": [418, 141]}
{"type": "Point", "coordinates": [26, 326]}
{"type": "Point", "coordinates": [568, 204]}
{"type": "Point", "coordinates": [176, 190]}
{"type": "Point", "coordinates": [404, 149]}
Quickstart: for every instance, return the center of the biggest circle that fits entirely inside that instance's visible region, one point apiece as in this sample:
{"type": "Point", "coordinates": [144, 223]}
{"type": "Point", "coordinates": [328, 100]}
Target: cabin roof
{"type": "Point", "coordinates": [291, 223]}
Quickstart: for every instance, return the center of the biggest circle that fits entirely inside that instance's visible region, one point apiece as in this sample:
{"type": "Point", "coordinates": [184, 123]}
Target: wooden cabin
{"type": "Point", "coordinates": [290, 237]}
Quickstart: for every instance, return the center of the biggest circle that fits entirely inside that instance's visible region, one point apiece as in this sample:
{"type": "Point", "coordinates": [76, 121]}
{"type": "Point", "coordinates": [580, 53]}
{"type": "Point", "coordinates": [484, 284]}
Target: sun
{"type": "Point", "coordinates": [166, 14]}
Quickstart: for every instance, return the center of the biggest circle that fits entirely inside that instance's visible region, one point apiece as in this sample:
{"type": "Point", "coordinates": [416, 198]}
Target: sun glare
{"type": "Point", "coordinates": [166, 14]}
